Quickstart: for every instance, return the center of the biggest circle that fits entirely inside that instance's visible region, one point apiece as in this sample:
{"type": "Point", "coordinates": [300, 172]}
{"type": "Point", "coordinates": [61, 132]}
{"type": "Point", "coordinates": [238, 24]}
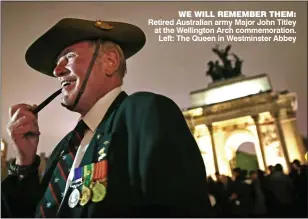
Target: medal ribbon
{"type": "Point", "coordinates": [77, 180]}
{"type": "Point", "coordinates": [77, 174]}
{"type": "Point", "coordinates": [100, 170]}
{"type": "Point", "coordinates": [88, 172]}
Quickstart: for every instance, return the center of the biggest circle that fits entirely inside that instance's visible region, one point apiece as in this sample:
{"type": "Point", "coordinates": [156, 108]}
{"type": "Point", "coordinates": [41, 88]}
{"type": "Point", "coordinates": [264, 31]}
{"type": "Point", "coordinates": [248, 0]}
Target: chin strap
{"type": "Point", "coordinates": [81, 90]}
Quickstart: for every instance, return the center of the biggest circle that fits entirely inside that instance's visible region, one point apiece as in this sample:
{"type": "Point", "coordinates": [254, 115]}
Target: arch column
{"type": "Point", "coordinates": [210, 128]}
{"type": "Point", "coordinates": [261, 143]}
{"type": "Point", "coordinates": [275, 115]}
{"type": "Point", "coordinates": [294, 141]}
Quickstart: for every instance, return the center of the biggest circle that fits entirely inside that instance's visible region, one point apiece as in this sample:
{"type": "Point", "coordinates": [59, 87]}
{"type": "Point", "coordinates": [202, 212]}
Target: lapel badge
{"type": "Point", "coordinates": [103, 25]}
{"type": "Point", "coordinates": [98, 136]}
{"type": "Point", "coordinates": [106, 142]}
{"type": "Point", "coordinates": [102, 154]}
{"type": "Point", "coordinates": [62, 152]}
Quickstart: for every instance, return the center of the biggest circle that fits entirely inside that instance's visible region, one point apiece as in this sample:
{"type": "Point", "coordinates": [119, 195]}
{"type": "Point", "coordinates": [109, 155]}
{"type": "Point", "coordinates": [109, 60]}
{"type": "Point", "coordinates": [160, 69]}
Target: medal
{"type": "Point", "coordinates": [100, 178]}
{"type": "Point", "coordinates": [74, 198]}
{"type": "Point", "coordinates": [99, 192]}
{"type": "Point", "coordinates": [85, 196]}
{"type": "Point", "coordinates": [93, 181]}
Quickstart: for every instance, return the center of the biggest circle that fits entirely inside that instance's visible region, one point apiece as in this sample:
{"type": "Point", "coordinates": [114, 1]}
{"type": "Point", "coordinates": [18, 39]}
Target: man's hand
{"type": "Point", "coordinates": [233, 196]}
{"type": "Point", "coordinates": [24, 132]}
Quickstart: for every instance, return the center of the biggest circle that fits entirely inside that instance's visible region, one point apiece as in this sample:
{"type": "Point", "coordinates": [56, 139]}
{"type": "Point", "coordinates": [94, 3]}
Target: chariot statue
{"type": "Point", "coordinates": [230, 68]}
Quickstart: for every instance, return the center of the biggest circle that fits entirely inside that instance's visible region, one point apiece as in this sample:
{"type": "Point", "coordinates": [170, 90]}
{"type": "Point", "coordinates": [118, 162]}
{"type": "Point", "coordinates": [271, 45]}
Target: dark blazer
{"type": "Point", "coordinates": [155, 168]}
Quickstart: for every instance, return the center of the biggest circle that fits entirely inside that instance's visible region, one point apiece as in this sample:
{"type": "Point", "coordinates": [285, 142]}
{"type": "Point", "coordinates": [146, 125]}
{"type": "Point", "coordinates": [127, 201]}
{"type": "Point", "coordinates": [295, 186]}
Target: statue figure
{"type": "Point", "coordinates": [227, 70]}
{"type": "Point", "coordinates": [212, 71]}
{"type": "Point", "coordinates": [222, 54]}
{"type": "Point", "coordinates": [238, 65]}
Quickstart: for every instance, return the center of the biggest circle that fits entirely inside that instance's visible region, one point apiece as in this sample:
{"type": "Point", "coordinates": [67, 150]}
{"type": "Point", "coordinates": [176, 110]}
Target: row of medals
{"type": "Point", "coordinates": [96, 192]}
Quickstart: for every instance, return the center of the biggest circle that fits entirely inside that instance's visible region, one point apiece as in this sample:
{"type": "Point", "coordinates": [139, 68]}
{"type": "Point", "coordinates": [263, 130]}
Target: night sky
{"type": "Point", "coordinates": [170, 68]}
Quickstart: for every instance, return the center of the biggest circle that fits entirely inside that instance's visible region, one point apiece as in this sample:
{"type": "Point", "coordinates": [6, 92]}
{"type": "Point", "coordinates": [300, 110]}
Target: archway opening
{"type": "Point", "coordinates": [246, 157]}
{"type": "Point", "coordinates": [242, 150]}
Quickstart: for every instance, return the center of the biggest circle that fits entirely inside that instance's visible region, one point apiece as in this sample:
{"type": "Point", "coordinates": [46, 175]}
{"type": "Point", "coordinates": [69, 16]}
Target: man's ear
{"type": "Point", "coordinates": [111, 61]}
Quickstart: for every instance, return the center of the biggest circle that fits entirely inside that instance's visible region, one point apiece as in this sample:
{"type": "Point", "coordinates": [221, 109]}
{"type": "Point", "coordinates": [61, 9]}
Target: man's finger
{"type": "Point", "coordinates": [21, 121]}
{"type": "Point", "coordinates": [28, 113]}
{"type": "Point", "coordinates": [23, 112]}
{"type": "Point", "coordinates": [14, 108]}
{"type": "Point", "coordinates": [26, 130]}
{"type": "Point", "coordinates": [14, 117]}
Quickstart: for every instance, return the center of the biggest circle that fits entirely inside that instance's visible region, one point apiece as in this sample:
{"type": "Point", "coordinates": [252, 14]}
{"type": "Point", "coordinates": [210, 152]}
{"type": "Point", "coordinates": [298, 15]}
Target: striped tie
{"type": "Point", "coordinates": [49, 204]}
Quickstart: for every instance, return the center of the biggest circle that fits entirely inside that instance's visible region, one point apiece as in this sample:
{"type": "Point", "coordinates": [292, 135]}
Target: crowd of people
{"type": "Point", "coordinates": [260, 194]}
{"type": "Point", "coordinates": [257, 194]}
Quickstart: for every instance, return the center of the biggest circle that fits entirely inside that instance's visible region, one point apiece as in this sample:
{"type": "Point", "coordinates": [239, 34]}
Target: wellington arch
{"type": "Point", "coordinates": [243, 109]}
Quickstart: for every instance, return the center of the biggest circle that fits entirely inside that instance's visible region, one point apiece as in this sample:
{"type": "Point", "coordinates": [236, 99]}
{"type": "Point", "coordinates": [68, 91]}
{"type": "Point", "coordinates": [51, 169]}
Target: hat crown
{"type": "Point", "coordinates": [42, 54]}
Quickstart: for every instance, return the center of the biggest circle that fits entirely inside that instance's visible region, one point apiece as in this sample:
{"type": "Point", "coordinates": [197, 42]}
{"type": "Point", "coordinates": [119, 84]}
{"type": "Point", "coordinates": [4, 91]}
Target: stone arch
{"type": "Point", "coordinates": [235, 139]}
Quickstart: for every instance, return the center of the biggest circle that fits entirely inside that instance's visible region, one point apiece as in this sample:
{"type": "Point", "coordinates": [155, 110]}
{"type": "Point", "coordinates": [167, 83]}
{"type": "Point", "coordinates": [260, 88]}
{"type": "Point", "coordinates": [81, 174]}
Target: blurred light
{"type": "Point", "coordinates": [294, 105]}
{"type": "Point", "coordinates": [205, 146]}
{"type": "Point", "coordinates": [212, 200]}
{"type": "Point", "coordinates": [200, 130]}
{"type": "Point", "coordinates": [229, 154]}
{"type": "Point", "coordinates": [274, 156]}
{"type": "Point", "coordinates": [232, 91]}
{"type": "Point", "coordinates": [196, 112]}
{"type": "Point", "coordinates": [2, 145]}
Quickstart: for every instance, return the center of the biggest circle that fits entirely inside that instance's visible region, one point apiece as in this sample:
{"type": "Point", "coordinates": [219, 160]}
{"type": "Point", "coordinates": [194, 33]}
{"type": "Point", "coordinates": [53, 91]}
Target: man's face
{"type": "Point", "coordinates": [235, 174]}
{"type": "Point", "coordinates": [254, 176]}
{"type": "Point", "coordinates": [223, 179]}
{"type": "Point", "coordinates": [294, 165]}
{"type": "Point", "coordinates": [71, 68]}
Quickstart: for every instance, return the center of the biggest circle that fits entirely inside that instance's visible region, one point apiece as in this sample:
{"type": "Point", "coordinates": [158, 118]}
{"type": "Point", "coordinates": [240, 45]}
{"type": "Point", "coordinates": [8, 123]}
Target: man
{"type": "Point", "coordinates": [298, 175]}
{"type": "Point", "coordinates": [129, 156]}
{"type": "Point", "coordinates": [241, 199]}
{"type": "Point", "coordinates": [282, 191]}
{"type": "Point", "coordinates": [259, 207]}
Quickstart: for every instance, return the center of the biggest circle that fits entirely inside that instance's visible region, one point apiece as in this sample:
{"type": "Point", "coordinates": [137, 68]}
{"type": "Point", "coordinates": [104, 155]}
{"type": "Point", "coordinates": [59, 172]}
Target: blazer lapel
{"type": "Point", "coordinates": [102, 134]}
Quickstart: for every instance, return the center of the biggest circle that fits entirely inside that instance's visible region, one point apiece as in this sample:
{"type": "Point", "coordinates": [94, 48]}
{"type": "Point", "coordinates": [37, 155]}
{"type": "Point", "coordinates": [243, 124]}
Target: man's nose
{"type": "Point", "coordinates": [61, 70]}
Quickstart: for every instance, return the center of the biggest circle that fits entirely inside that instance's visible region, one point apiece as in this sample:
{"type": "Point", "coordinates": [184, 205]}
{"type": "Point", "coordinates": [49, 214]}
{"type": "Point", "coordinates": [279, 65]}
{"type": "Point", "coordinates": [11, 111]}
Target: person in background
{"type": "Point", "coordinates": [241, 194]}
{"type": "Point", "coordinates": [259, 206]}
{"type": "Point", "coordinates": [298, 175]}
{"type": "Point", "coordinates": [282, 190]}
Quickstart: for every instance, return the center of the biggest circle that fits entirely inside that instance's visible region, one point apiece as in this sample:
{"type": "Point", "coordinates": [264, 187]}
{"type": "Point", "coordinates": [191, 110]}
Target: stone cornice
{"type": "Point", "coordinates": [247, 106]}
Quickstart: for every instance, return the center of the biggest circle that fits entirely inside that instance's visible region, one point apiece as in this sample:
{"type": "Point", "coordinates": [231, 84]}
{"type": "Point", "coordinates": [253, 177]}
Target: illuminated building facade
{"type": "Point", "coordinates": [243, 109]}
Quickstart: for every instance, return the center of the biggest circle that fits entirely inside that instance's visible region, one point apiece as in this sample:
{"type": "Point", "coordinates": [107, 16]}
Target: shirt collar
{"type": "Point", "coordinates": [98, 111]}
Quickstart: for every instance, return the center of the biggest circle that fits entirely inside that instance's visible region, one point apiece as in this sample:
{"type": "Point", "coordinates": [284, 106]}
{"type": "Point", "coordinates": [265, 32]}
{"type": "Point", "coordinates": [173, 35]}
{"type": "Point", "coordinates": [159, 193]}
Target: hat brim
{"type": "Point", "coordinates": [42, 54]}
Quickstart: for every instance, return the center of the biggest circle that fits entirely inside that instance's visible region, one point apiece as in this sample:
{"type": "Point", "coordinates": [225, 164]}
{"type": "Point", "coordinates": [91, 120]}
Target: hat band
{"type": "Point", "coordinates": [82, 89]}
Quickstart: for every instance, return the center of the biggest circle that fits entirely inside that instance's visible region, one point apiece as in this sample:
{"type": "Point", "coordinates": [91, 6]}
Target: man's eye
{"type": "Point", "coordinates": [70, 55]}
